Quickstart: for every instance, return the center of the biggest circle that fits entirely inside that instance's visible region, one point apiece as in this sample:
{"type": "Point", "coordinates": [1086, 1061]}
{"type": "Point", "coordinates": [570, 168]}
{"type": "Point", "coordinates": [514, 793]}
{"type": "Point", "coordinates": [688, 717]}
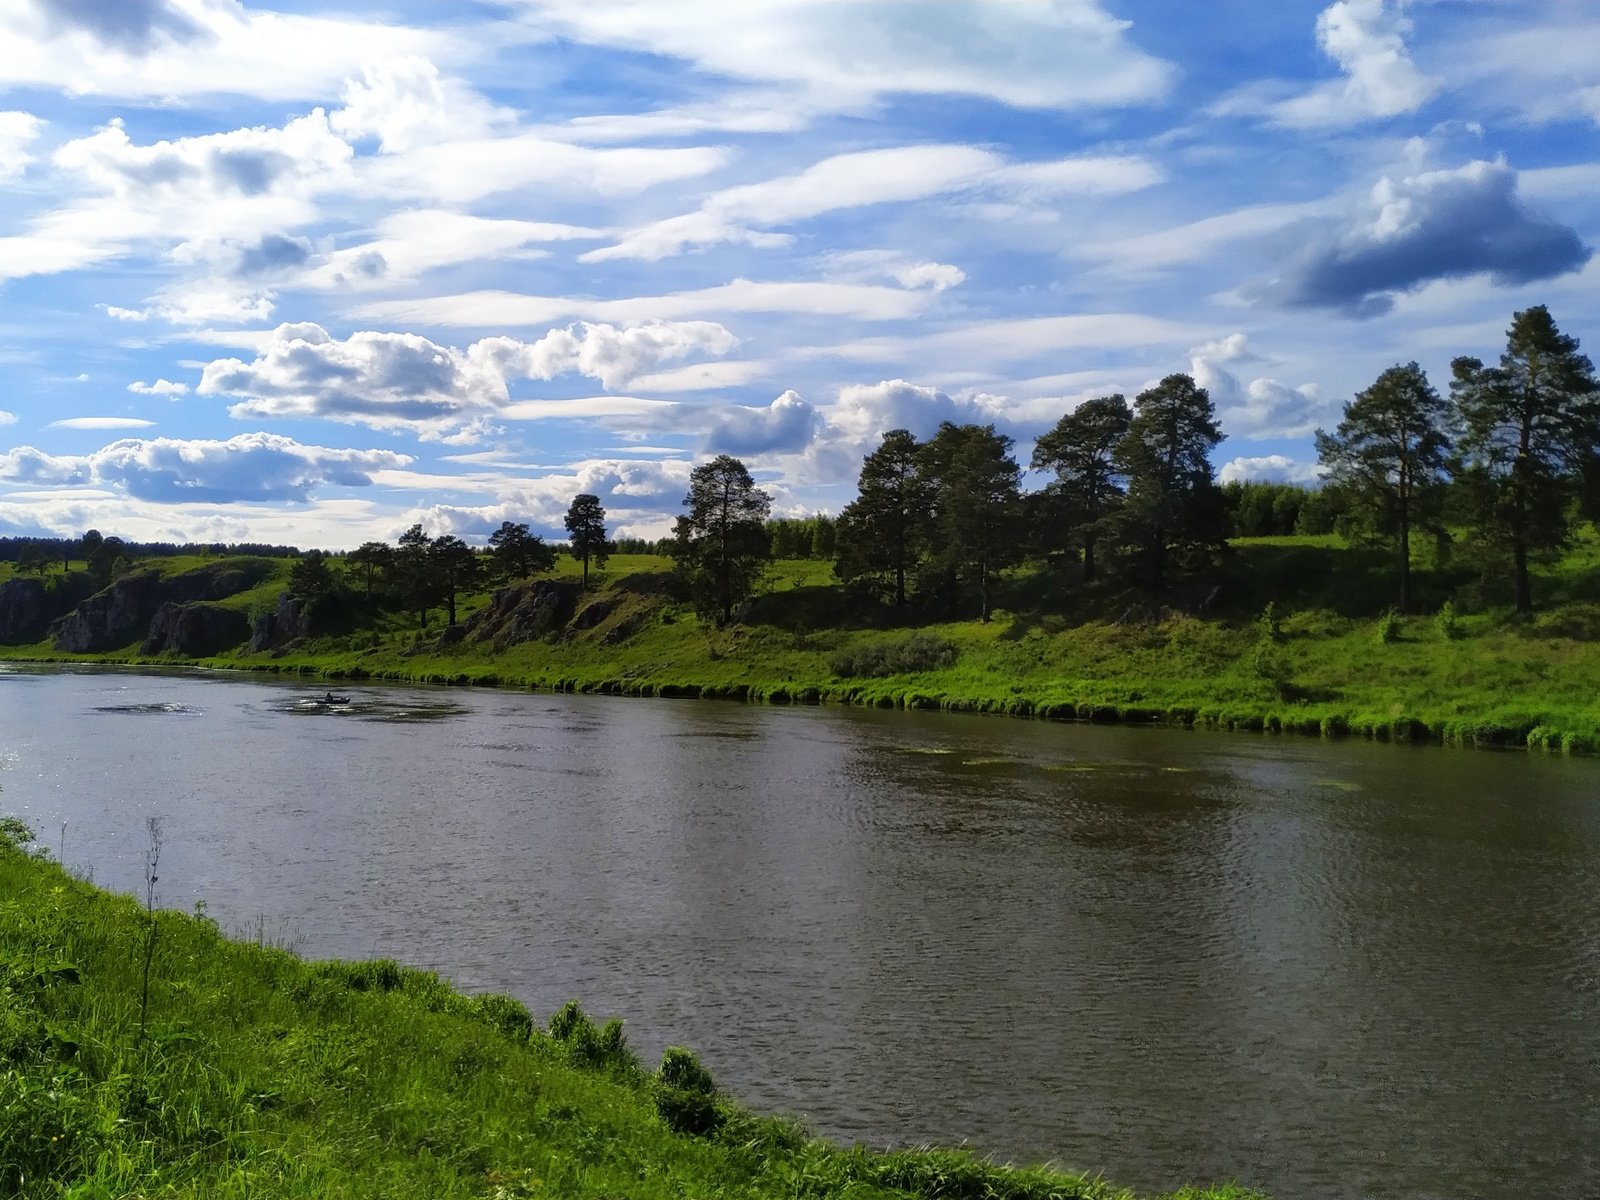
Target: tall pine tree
{"type": "Point", "coordinates": [1173, 503]}
{"type": "Point", "coordinates": [1088, 487]}
{"type": "Point", "coordinates": [1529, 428]}
{"type": "Point", "coordinates": [1387, 458]}
{"type": "Point", "coordinates": [880, 532]}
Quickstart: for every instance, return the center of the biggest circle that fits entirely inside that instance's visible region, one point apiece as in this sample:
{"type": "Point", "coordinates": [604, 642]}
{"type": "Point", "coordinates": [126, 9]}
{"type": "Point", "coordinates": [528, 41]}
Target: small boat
{"type": "Point", "coordinates": [330, 698]}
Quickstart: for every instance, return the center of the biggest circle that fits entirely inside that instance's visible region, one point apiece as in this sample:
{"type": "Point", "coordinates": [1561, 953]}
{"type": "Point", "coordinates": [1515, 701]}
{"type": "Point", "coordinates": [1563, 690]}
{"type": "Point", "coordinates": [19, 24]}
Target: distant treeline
{"type": "Point", "coordinates": [21, 549]}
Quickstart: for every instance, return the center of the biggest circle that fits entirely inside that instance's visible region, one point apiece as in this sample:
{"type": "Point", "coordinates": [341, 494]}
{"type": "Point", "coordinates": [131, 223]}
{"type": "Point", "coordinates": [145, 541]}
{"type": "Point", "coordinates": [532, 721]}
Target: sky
{"type": "Point", "coordinates": [310, 272]}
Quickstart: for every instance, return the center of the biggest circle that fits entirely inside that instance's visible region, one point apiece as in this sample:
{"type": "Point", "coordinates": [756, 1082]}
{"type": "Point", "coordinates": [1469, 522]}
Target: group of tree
{"type": "Point", "coordinates": [944, 515]}
{"type": "Point", "coordinates": [1516, 445]}
{"type": "Point", "coordinates": [422, 572]}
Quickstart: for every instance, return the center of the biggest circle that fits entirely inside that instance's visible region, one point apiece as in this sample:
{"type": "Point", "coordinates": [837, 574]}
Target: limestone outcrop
{"type": "Point", "coordinates": [194, 630]}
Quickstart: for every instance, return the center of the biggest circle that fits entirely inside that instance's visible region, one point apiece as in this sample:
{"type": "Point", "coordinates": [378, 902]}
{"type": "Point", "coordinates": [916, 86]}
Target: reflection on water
{"type": "Point", "coordinates": [1329, 970]}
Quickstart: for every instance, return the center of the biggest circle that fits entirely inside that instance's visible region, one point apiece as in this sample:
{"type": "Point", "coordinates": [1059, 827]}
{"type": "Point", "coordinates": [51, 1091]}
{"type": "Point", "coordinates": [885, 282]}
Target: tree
{"type": "Point", "coordinates": [32, 560]}
{"type": "Point", "coordinates": [108, 558]}
{"type": "Point", "coordinates": [974, 521]}
{"type": "Point", "coordinates": [311, 578]}
{"type": "Point", "coordinates": [89, 545]}
{"type": "Point", "coordinates": [879, 533]}
{"type": "Point", "coordinates": [1172, 499]}
{"type": "Point", "coordinates": [456, 568]}
{"type": "Point", "coordinates": [721, 543]}
{"type": "Point", "coordinates": [586, 532]}
{"type": "Point", "coordinates": [1529, 428]}
{"type": "Point", "coordinates": [413, 566]}
{"type": "Point", "coordinates": [370, 560]}
{"type": "Point", "coordinates": [1082, 451]}
{"type": "Point", "coordinates": [1387, 457]}
{"type": "Point", "coordinates": [517, 553]}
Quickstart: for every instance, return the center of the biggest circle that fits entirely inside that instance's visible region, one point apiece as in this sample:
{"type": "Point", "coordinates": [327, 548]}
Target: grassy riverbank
{"type": "Point", "coordinates": [259, 1074]}
{"type": "Point", "coordinates": [1329, 662]}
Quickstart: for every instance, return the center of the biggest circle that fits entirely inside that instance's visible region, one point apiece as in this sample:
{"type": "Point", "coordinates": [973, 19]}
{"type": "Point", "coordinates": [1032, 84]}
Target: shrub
{"type": "Point", "coordinates": [586, 1045]}
{"type": "Point", "coordinates": [1447, 622]}
{"type": "Point", "coordinates": [895, 656]}
{"type": "Point", "coordinates": [686, 1095]}
{"type": "Point", "coordinates": [14, 834]}
{"type": "Point", "coordinates": [1389, 627]}
{"type": "Point", "coordinates": [1269, 623]}
{"type": "Point", "coordinates": [505, 1013]}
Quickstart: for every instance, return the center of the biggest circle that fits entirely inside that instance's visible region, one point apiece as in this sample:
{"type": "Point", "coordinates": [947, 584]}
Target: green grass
{"type": "Point", "coordinates": [262, 1075]}
{"type": "Point", "coordinates": [1060, 651]}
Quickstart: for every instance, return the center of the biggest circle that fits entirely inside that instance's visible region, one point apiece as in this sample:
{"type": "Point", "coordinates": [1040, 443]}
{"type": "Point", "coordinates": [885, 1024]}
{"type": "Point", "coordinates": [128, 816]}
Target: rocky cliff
{"type": "Point", "coordinates": [122, 613]}
{"type": "Point", "coordinates": [194, 630]}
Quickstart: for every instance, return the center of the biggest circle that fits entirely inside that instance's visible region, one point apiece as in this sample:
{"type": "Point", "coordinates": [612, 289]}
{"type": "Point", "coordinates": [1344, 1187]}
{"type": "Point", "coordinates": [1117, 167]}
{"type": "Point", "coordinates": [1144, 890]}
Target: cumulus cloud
{"type": "Point", "coordinates": [18, 131]}
{"type": "Point", "coordinates": [786, 426]}
{"type": "Point", "coordinates": [7, 418]}
{"type": "Point", "coordinates": [129, 25]}
{"type": "Point", "coordinates": [1410, 231]}
{"type": "Point", "coordinates": [118, 313]}
{"type": "Point", "coordinates": [1066, 54]}
{"type": "Point", "coordinates": [746, 214]}
{"type": "Point", "coordinates": [399, 380]}
{"type": "Point", "coordinates": [1269, 468]}
{"type": "Point", "coordinates": [641, 498]}
{"type": "Point", "coordinates": [253, 467]}
{"type": "Point", "coordinates": [1367, 39]}
{"type": "Point", "coordinates": [934, 276]}
{"type": "Point", "coordinates": [406, 104]}
{"type": "Point", "coordinates": [1261, 408]}
{"type": "Point", "coordinates": [161, 387]}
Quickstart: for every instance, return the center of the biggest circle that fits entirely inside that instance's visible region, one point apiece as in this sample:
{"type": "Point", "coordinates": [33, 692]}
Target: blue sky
{"type": "Point", "coordinates": [312, 272]}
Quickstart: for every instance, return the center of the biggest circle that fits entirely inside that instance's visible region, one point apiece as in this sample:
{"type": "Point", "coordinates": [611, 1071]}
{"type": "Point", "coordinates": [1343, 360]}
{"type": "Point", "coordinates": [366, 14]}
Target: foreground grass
{"type": "Point", "coordinates": [1334, 666]}
{"type": "Point", "coordinates": [260, 1074]}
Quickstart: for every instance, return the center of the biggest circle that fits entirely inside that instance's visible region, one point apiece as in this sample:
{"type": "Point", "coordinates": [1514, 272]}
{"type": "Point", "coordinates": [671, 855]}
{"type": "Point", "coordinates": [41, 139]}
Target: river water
{"type": "Point", "coordinates": [1320, 969]}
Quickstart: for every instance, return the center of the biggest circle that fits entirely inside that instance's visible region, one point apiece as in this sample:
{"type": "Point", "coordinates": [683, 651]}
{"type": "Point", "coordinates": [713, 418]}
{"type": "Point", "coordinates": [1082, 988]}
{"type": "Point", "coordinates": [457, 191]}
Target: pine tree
{"type": "Point", "coordinates": [721, 543]}
{"type": "Point", "coordinates": [880, 532]}
{"type": "Point", "coordinates": [1387, 458]}
{"type": "Point", "coordinates": [1172, 501]}
{"type": "Point", "coordinates": [586, 532]}
{"type": "Point", "coordinates": [1088, 487]}
{"type": "Point", "coordinates": [1529, 428]}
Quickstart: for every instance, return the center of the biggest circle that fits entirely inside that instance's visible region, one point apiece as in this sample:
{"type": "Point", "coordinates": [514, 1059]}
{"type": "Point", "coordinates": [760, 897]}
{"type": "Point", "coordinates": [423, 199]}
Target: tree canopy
{"type": "Point", "coordinates": [721, 542]}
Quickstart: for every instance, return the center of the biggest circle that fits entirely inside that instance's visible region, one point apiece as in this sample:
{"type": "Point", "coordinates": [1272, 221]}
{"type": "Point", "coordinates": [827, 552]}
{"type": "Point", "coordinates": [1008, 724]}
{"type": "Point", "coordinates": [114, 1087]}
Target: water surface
{"type": "Point", "coordinates": [1322, 969]}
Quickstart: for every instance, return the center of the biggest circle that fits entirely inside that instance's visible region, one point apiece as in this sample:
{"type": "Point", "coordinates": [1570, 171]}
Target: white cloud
{"type": "Point", "coordinates": [7, 418]}
{"type": "Point", "coordinates": [786, 426]}
{"type": "Point", "coordinates": [1066, 54]}
{"type": "Point", "coordinates": [743, 214]}
{"type": "Point", "coordinates": [402, 380]}
{"type": "Point", "coordinates": [161, 387]}
{"type": "Point", "coordinates": [117, 313]}
{"type": "Point", "coordinates": [406, 104]}
{"type": "Point", "coordinates": [18, 131]}
{"type": "Point", "coordinates": [1262, 408]}
{"type": "Point", "coordinates": [102, 423]}
{"type": "Point", "coordinates": [137, 49]}
{"type": "Point", "coordinates": [491, 308]}
{"type": "Point", "coordinates": [934, 276]}
{"type": "Point", "coordinates": [1367, 38]}
{"type": "Point", "coordinates": [250, 467]}
{"type": "Point", "coordinates": [1269, 468]}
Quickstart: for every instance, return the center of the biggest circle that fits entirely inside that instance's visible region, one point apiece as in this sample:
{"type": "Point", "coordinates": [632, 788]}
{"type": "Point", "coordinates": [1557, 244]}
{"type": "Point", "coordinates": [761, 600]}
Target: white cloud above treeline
{"type": "Point", "coordinates": [253, 467]}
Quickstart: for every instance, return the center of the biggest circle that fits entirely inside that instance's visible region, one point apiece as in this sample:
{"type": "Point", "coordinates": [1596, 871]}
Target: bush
{"type": "Point", "coordinates": [1389, 627]}
{"type": "Point", "coordinates": [895, 656]}
{"type": "Point", "coordinates": [1447, 622]}
{"type": "Point", "coordinates": [505, 1013]}
{"type": "Point", "coordinates": [588, 1046]}
{"type": "Point", "coordinates": [1270, 624]}
{"type": "Point", "coordinates": [14, 834]}
{"type": "Point", "coordinates": [686, 1095]}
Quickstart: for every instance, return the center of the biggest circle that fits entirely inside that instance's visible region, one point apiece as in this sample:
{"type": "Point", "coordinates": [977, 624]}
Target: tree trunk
{"type": "Point", "coordinates": [1088, 560]}
{"type": "Point", "coordinates": [900, 584]}
{"type": "Point", "coordinates": [1405, 561]}
{"type": "Point", "coordinates": [983, 592]}
{"type": "Point", "coordinates": [586, 572]}
{"type": "Point", "coordinates": [1519, 556]}
{"type": "Point", "coordinates": [450, 603]}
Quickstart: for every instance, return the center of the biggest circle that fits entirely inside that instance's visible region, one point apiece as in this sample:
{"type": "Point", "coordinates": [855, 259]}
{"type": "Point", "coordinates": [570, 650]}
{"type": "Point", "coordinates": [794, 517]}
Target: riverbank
{"type": "Point", "coordinates": [258, 1073]}
{"type": "Point", "coordinates": [1318, 664]}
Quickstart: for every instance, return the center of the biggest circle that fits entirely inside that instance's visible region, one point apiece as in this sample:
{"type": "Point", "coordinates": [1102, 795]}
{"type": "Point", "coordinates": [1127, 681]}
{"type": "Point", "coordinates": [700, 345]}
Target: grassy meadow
{"type": "Point", "coordinates": [1326, 658]}
{"type": "Point", "coordinates": [231, 1070]}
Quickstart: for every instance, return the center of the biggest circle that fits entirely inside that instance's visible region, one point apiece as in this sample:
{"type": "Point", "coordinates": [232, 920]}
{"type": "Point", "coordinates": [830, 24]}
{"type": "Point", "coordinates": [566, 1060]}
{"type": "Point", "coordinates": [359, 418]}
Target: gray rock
{"type": "Point", "coordinates": [524, 612]}
{"type": "Point", "coordinates": [26, 611]}
{"type": "Point", "coordinates": [194, 630]}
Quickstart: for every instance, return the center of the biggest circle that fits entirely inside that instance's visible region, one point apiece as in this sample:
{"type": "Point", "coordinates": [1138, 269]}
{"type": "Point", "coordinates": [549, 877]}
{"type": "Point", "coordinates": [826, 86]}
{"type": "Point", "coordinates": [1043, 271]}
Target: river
{"type": "Point", "coordinates": [1321, 969]}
